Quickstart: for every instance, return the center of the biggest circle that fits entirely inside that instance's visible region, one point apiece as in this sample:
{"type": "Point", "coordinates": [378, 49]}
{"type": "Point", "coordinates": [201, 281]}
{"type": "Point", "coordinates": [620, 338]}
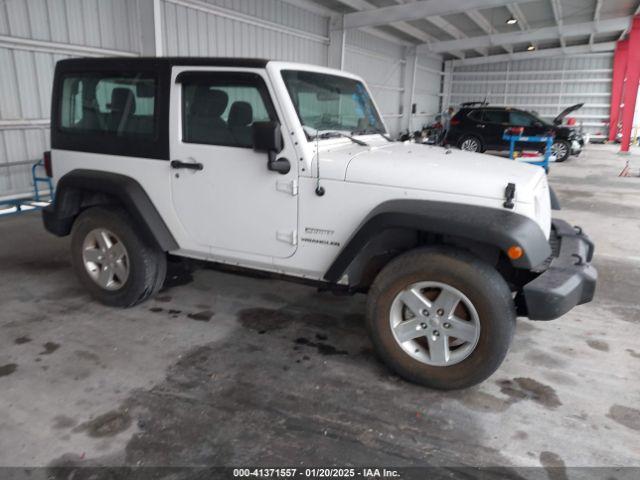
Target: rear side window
{"type": "Point", "coordinates": [475, 115]}
{"type": "Point", "coordinates": [109, 105]}
{"type": "Point", "coordinates": [496, 116]}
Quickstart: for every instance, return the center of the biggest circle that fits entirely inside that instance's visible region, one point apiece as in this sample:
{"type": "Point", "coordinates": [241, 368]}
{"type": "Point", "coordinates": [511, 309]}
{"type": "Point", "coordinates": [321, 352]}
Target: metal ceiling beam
{"type": "Point", "coordinates": [546, 52]}
{"type": "Point", "coordinates": [311, 6]}
{"type": "Point", "coordinates": [546, 33]}
{"type": "Point", "coordinates": [417, 10]}
{"type": "Point", "coordinates": [626, 30]}
{"type": "Point", "coordinates": [516, 13]}
{"type": "Point", "coordinates": [596, 19]}
{"type": "Point", "coordinates": [485, 25]}
{"type": "Point", "coordinates": [363, 5]}
{"type": "Point", "coordinates": [406, 28]}
{"type": "Point", "coordinates": [442, 24]}
{"type": "Point", "coordinates": [376, 32]}
{"type": "Point", "coordinates": [557, 15]}
{"type": "Point", "coordinates": [452, 30]}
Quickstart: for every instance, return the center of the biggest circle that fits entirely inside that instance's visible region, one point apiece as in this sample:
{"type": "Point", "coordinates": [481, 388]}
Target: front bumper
{"type": "Point", "coordinates": [569, 280]}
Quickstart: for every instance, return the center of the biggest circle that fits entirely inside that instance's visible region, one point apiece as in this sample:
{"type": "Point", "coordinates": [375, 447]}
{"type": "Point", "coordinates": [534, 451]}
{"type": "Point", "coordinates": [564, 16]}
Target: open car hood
{"type": "Point", "coordinates": [558, 120]}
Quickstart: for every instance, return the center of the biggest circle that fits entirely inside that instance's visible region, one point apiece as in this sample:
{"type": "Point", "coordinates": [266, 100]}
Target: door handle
{"type": "Point", "coordinates": [480, 125]}
{"type": "Point", "coordinates": [191, 166]}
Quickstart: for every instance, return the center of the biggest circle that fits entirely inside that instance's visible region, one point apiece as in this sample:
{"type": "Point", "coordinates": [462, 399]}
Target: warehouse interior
{"type": "Point", "coordinates": [225, 370]}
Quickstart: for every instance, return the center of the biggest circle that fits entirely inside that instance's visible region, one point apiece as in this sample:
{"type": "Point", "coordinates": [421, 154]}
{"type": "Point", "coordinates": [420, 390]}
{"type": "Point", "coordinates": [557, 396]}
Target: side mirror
{"type": "Point", "coordinates": [281, 165]}
{"type": "Point", "coordinates": [268, 138]}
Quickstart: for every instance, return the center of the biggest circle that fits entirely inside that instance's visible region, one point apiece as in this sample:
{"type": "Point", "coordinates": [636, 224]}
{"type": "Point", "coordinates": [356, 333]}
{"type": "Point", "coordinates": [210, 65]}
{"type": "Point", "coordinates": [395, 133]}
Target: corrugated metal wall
{"type": "Point", "coordinates": [34, 34]}
{"type": "Point", "coordinates": [383, 66]}
{"type": "Point", "coordinates": [277, 30]}
{"type": "Point", "coordinates": [545, 85]}
{"type": "Point", "coordinates": [256, 28]}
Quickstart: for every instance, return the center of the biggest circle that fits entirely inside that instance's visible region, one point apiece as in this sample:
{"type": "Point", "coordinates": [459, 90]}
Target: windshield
{"type": "Point", "coordinates": [330, 102]}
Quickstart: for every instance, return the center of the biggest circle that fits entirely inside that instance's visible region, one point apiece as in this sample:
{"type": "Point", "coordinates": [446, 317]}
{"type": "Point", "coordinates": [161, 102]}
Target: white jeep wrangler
{"type": "Point", "coordinates": [287, 168]}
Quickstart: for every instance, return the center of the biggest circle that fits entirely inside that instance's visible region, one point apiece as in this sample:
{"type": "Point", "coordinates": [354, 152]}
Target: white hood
{"type": "Point", "coordinates": [424, 167]}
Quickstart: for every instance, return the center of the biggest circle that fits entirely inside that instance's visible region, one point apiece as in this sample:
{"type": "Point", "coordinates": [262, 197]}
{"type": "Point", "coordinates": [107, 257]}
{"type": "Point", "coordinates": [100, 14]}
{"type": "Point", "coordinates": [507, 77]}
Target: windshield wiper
{"type": "Point", "coordinates": [369, 132]}
{"type": "Point", "coordinates": [336, 133]}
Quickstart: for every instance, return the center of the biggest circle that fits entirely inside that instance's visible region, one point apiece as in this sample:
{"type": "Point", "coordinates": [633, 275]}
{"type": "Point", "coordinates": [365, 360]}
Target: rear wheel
{"type": "Point", "coordinates": [441, 318]}
{"type": "Point", "coordinates": [469, 143]}
{"type": "Point", "coordinates": [111, 259]}
{"type": "Point", "coordinates": [561, 149]}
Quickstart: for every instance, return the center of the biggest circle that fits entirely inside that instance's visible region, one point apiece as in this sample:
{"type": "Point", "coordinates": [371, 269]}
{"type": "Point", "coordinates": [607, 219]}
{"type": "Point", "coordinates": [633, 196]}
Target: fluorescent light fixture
{"type": "Point", "coordinates": [512, 21]}
{"type": "Point", "coordinates": [531, 48]}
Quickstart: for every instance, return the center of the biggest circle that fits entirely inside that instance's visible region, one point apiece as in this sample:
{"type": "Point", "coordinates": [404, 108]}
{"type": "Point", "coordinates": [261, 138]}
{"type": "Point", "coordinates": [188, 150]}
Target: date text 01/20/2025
{"type": "Point", "coordinates": [368, 473]}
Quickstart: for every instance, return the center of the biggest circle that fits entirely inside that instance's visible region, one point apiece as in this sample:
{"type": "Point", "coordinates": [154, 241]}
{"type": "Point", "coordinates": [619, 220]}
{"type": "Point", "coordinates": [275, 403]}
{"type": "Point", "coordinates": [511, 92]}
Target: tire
{"type": "Point", "coordinates": [564, 147]}
{"type": "Point", "coordinates": [470, 143]}
{"type": "Point", "coordinates": [134, 270]}
{"type": "Point", "coordinates": [450, 271]}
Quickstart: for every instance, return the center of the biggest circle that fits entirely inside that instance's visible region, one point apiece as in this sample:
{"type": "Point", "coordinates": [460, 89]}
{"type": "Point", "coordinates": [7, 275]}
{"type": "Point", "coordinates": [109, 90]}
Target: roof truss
{"type": "Point", "coordinates": [399, 17]}
{"type": "Point", "coordinates": [417, 10]}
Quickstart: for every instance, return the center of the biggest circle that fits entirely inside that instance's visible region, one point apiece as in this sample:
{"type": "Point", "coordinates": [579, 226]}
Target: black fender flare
{"type": "Point", "coordinates": [555, 202]}
{"type": "Point", "coordinates": [492, 226]}
{"type": "Point", "coordinates": [59, 217]}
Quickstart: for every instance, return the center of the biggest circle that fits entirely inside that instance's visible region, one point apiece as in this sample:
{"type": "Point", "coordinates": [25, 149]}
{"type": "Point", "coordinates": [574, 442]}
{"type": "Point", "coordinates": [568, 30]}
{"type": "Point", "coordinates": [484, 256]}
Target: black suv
{"type": "Point", "coordinates": [478, 127]}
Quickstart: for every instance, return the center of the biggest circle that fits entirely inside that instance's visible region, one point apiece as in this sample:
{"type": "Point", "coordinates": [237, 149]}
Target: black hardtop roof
{"type": "Point", "coordinates": [148, 63]}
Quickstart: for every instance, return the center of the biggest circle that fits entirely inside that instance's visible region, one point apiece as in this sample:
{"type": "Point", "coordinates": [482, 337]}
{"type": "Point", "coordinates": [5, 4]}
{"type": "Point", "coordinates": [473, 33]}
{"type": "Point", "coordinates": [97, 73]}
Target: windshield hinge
{"type": "Point", "coordinates": [509, 195]}
{"type": "Point", "coordinates": [288, 187]}
{"type": "Point", "coordinates": [287, 236]}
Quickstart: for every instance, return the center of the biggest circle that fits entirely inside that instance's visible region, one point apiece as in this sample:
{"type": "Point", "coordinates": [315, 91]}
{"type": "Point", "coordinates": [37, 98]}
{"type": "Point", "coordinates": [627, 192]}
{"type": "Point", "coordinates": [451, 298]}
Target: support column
{"type": "Point", "coordinates": [411, 59]}
{"type": "Point", "coordinates": [447, 79]}
{"type": "Point", "coordinates": [158, 11]}
{"type": "Point", "coordinates": [617, 86]}
{"type": "Point", "coordinates": [150, 27]}
{"type": "Point", "coordinates": [336, 42]}
{"type": "Point", "coordinates": [631, 84]}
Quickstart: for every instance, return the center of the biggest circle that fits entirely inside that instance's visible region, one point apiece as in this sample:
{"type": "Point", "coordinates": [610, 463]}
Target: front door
{"type": "Point", "coordinates": [224, 196]}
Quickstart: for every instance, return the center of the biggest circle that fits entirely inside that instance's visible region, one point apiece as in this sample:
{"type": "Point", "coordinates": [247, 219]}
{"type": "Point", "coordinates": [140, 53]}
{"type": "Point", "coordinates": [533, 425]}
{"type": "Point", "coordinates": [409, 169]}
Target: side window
{"type": "Point", "coordinates": [520, 119]}
{"type": "Point", "coordinates": [220, 108]}
{"type": "Point", "coordinates": [496, 116]}
{"type": "Point", "coordinates": [112, 105]}
{"type": "Point", "coordinates": [475, 115]}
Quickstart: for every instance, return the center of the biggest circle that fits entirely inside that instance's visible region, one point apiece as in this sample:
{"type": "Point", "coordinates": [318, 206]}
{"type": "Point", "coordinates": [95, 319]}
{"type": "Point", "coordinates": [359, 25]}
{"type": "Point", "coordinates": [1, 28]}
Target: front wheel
{"type": "Point", "coordinates": [112, 260]}
{"type": "Point", "coordinates": [561, 149]}
{"type": "Point", "coordinates": [441, 318]}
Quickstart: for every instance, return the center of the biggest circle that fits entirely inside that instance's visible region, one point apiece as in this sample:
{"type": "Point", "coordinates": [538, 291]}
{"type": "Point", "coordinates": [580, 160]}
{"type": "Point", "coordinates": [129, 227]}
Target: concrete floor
{"type": "Point", "coordinates": [230, 370]}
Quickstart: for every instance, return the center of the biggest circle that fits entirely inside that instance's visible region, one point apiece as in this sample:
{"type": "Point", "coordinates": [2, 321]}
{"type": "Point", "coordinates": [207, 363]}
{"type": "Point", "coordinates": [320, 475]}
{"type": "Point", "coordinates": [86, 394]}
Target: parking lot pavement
{"type": "Point", "coordinates": [223, 369]}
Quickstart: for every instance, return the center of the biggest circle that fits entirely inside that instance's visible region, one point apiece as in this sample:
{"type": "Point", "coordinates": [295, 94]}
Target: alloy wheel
{"type": "Point", "coordinates": [470, 145]}
{"type": "Point", "coordinates": [105, 259]}
{"type": "Point", "coordinates": [559, 149]}
{"type": "Point", "coordinates": [435, 323]}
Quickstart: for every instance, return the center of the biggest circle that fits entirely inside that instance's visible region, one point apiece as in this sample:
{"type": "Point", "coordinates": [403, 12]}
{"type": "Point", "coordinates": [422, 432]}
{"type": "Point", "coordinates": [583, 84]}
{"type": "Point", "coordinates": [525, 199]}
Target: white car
{"type": "Point", "coordinates": [287, 168]}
